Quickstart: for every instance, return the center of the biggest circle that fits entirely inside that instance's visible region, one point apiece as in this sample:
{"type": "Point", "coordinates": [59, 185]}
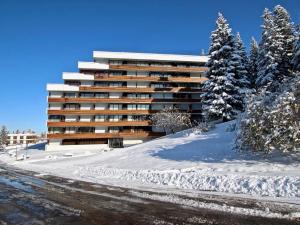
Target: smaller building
{"type": "Point", "coordinates": [22, 138]}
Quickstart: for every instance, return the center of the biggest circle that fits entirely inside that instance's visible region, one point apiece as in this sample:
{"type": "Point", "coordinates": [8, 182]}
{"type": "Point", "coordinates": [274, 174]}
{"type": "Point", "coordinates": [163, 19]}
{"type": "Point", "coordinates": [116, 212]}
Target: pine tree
{"type": "Point", "coordinates": [253, 61]}
{"type": "Point", "coordinates": [266, 65]}
{"type": "Point", "coordinates": [221, 97]}
{"type": "Point", "coordinates": [240, 63]}
{"type": "Point", "coordinates": [3, 136]}
{"type": "Point", "coordinates": [284, 38]}
{"type": "Point", "coordinates": [296, 58]}
{"type": "Point", "coordinates": [275, 49]}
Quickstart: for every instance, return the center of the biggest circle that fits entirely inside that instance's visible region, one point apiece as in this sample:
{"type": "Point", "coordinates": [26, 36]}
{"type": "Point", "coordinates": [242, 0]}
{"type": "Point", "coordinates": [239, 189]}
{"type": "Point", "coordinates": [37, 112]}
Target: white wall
{"type": "Point", "coordinates": [53, 147]}
{"type": "Point", "coordinates": [100, 130]}
{"type": "Point", "coordinates": [143, 84]}
{"type": "Point", "coordinates": [85, 106]}
{"type": "Point", "coordinates": [85, 118]}
{"type": "Point", "coordinates": [115, 95]}
{"type": "Point", "coordinates": [101, 106]}
{"type": "Point", "coordinates": [70, 118]}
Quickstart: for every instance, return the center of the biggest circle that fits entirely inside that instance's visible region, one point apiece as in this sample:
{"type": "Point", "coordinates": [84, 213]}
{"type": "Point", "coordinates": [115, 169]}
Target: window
{"type": "Point", "coordinates": [100, 118]}
{"type": "Point", "coordinates": [73, 82]}
{"type": "Point", "coordinates": [56, 130]}
{"type": "Point", "coordinates": [70, 95]}
{"type": "Point", "coordinates": [131, 107]}
{"type": "Point", "coordinates": [115, 118]}
{"type": "Point", "coordinates": [86, 95]}
{"type": "Point", "coordinates": [114, 129]}
{"type": "Point", "coordinates": [71, 106]}
{"type": "Point", "coordinates": [56, 118]}
{"type": "Point", "coordinates": [143, 107]}
{"type": "Point", "coordinates": [115, 84]}
{"type": "Point", "coordinates": [137, 118]}
{"type": "Point", "coordinates": [101, 84]}
{"type": "Point", "coordinates": [86, 130]}
{"type": "Point", "coordinates": [115, 62]}
{"type": "Point", "coordinates": [115, 73]}
{"type": "Point", "coordinates": [101, 95]}
{"type": "Point", "coordinates": [115, 106]}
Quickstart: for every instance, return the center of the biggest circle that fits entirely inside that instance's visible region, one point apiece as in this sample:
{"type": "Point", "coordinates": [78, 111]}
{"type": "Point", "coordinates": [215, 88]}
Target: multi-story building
{"type": "Point", "coordinates": [110, 99]}
{"type": "Point", "coordinates": [22, 138]}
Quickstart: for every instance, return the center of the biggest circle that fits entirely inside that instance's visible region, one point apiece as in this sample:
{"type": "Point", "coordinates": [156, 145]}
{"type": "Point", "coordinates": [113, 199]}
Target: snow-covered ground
{"type": "Point", "coordinates": [187, 160]}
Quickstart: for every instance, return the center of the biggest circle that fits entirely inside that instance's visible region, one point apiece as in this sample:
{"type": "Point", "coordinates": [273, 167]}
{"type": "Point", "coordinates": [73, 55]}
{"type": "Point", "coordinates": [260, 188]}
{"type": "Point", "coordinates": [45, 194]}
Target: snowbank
{"type": "Point", "coordinates": [186, 160]}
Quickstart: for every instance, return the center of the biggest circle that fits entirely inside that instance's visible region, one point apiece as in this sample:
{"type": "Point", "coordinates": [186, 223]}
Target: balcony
{"type": "Point", "coordinates": [106, 77]}
{"type": "Point", "coordinates": [98, 124]}
{"type": "Point", "coordinates": [128, 67]}
{"type": "Point", "coordinates": [110, 112]}
{"type": "Point", "coordinates": [122, 134]}
{"type": "Point", "coordinates": [124, 100]}
{"type": "Point", "coordinates": [140, 90]}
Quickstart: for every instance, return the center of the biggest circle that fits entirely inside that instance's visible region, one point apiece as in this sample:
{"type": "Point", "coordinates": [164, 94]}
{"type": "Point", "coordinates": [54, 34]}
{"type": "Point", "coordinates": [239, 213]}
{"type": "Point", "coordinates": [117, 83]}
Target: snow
{"type": "Point", "coordinates": [187, 160]}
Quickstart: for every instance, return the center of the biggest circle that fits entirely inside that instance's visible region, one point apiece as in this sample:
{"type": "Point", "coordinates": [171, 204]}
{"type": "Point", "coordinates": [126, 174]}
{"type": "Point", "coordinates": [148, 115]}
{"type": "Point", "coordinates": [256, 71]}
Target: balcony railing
{"type": "Point", "coordinates": [121, 134]}
{"type": "Point", "coordinates": [157, 68]}
{"type": "Point", "coordinates": [107, 77]}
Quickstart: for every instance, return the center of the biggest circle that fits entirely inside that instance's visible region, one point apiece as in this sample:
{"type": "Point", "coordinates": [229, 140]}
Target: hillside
{"type": "Point", "coordinates": [186, 160]}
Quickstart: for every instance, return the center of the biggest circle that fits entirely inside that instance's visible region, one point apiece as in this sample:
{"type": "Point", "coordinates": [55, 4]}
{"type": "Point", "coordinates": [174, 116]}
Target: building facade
{"type": "Point", "coordinates": [109, 100]}
{"type": "Point", "coordinates": [22, 138]}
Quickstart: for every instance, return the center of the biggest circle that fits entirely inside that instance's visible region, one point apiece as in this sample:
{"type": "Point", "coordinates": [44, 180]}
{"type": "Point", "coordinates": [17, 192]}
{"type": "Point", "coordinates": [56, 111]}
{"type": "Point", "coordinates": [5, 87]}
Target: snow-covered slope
{"type": "Point", "coordinates": [186, 160]}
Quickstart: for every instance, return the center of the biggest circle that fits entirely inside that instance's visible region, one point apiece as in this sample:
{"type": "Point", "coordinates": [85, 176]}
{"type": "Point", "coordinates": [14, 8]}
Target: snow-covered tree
{"type": "Point", "coordinates": [266, 64]}
{"type": "Point", "coordinates": [3, 136]}
{"type": "Point", "coordinates": [284, 38]}
{"type": "Point", "coordinates": [253, 56]}
{"type": "Point", "coordinates": [296, 58]}
{"type": "Point", "coordinates": [239, 62]}
{"type": "Point", "coordinates": [221, 94]}
{"type": "Point", "coordinates": [171, 120]}
{"type": "Point", "coordinates": [271, 120]}
{"type": "Point", "coordinates": [276, 49]}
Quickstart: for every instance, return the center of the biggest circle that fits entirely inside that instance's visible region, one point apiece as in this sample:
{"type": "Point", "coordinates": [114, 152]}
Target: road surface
{"type": "Point", "coordinates": [26, 198]}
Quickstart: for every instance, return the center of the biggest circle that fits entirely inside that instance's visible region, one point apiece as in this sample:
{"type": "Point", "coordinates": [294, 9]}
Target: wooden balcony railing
{"type": "Point", "coordinates": [149, 78]}
{"type": "Point", "coordinates": [124, 100]}
{"type": "Point", "coordinates": [110, 112]}
{"type": "Point", "coordinates": [158, 68]}
{"type": "Point", "coordinates": [104, 135]}
{"type": "Point", "coordinates": [99, 124]}
{"type": "Point", "coordinates": [140, 89]}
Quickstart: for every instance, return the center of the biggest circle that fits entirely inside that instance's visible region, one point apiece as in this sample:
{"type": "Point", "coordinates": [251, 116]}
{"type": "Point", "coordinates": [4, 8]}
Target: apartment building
{"type": "Point", "coordinates": [22, 138]}
{"type": "Point", "coordinates": [109, 101]}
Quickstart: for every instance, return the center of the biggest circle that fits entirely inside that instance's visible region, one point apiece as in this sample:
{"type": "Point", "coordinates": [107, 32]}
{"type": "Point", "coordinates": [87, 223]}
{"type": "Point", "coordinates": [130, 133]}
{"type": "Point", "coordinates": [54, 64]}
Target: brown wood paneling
{"type": "Point", "coordinates": [147, 78]}
{"type": "Point", "coordinates": [101, 112]}
{"type": "Point", "coordinates": [95, 124]}
{"type": "Point", "coordinates": [122, 100]}
{"type": "Point", "coordinates": [105, 135]}
{"type": "Point", "coordinates": [109, 112]}
{"type": "Point", "coordinates": [139, 90]}
{"type": "Point", "coordinates": [158, 68]}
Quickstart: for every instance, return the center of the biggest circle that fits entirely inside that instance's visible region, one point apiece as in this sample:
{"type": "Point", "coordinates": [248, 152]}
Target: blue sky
{"type": "Point", "coordinates": [40, 39]}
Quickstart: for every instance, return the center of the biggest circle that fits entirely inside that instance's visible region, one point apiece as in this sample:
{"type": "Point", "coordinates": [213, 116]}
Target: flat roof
{"type": "Point", "coordinates": [149, 56]}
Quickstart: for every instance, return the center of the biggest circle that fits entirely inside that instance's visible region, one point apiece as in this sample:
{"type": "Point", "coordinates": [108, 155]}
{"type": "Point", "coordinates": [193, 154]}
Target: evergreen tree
{"type": "Point", "coordinates": [221, 97]}
{"type": "Point", "coordinates": [253, 61]}
{"type": "Point", "coordinates": [296, 58]}
{"type": "Point", "coordinates": [3, 136]}
{"type": "Point", "coordinates": [276, 49]}
{"type": "Point", "coordinates": [266, 65]}
{"type": "Point", "coordinates": [284, 38]}
{"type": "Point", "coordinates": [240, 63]}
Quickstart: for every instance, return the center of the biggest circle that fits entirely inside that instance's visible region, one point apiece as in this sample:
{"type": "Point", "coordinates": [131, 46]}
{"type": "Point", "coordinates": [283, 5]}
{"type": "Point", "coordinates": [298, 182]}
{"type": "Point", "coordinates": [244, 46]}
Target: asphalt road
{"type": "Point", "coordinates": [29, 199]}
